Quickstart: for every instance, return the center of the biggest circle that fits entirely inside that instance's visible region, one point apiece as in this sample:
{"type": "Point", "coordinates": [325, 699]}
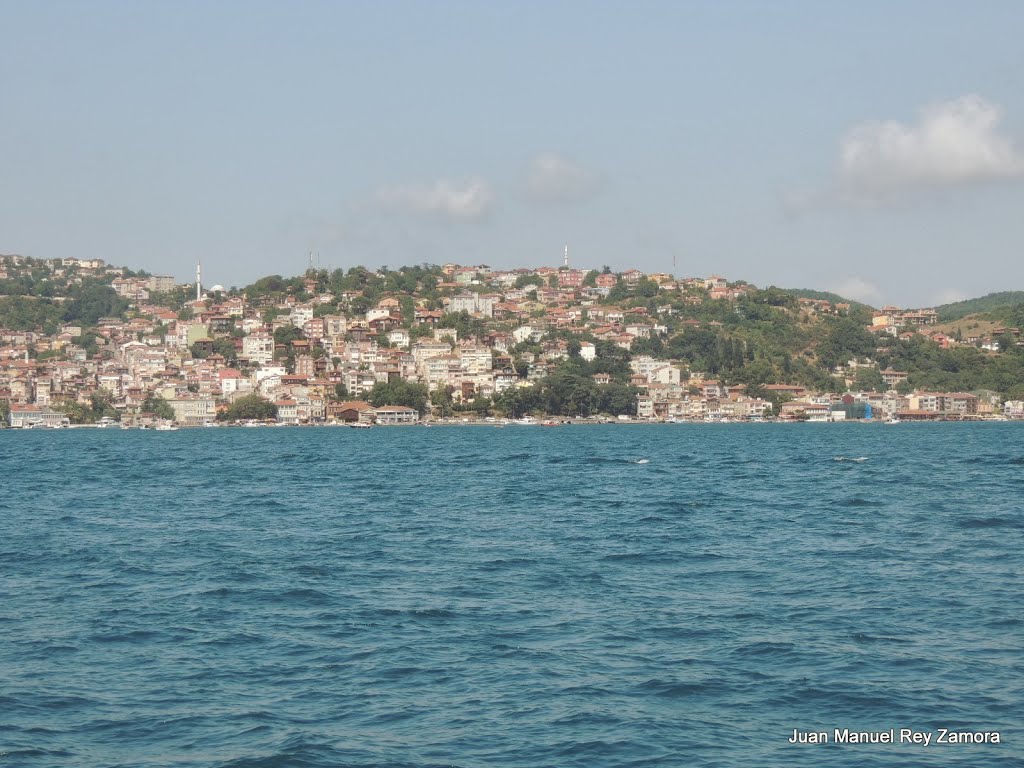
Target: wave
{"type": "Point", "coordinates": [989, 522]}
{"type": "Point", "coordinates": [674, 689]}
{"type": "Point", "coordinates": [858, 501]}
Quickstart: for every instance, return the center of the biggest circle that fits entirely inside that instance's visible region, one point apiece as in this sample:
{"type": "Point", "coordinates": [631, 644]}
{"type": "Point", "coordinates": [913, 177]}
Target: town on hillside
{"type": "Point", "coordinates": [83, 342]}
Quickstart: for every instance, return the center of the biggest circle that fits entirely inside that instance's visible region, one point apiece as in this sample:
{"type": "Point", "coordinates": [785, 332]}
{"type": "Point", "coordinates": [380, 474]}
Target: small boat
{"type": "Point", "coordinates": [166, 428]}
{"type": "Point", "coordinates": [360, 425]}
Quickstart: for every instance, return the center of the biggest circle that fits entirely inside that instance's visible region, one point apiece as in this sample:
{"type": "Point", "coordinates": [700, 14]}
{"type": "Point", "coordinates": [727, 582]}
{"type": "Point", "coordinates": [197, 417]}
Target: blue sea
{"type": "Point", "coordinates": [662, 595]}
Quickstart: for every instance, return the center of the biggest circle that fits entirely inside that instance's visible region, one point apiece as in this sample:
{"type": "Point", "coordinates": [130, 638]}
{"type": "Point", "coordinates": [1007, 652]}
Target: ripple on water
{"type": "Point", "coordinates": [523, 598]}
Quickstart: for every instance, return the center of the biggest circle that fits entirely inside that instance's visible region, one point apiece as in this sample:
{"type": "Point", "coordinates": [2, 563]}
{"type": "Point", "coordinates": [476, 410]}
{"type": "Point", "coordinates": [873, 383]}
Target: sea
{"type": "Point", "coordinates": [599, 595]}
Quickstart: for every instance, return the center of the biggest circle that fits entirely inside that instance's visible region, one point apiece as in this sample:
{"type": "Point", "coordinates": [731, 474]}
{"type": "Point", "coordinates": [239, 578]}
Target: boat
{"type": "Point", "coordinates": [360, 425]}
{"type": "Point", "coordinates": [892, 420]}
{"type": "Point", "coordinates": [166, 428]}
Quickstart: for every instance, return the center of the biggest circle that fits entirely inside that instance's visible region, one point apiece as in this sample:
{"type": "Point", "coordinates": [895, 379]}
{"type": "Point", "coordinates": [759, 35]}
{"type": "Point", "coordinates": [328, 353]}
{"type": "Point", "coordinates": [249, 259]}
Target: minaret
{"type": "Point", "coordinates": [199, 280]}
{"type": "Point", "coordinates": [565, 261]}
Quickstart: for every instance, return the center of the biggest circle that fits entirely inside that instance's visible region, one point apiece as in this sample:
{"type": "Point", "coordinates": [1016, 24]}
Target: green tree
{"type": "Point", "coordinates": [441, 398]}
{"type": "Point", "coordinates": [101, 403]}
{"type": "Point", "coordinates": [250, 407]}
{"type": "Point", "coordinates": [869, 379]}
{"type": "Point", "coordinates": [617, 399]}
{"type": "Point", "coordinates": [401, 392]}
{"type": "Point", "coordinates": [92, 300]}
{"type": "Point", "coordinates": [524, 280]}
{"type": "Point", "coordinates": [158, 407]}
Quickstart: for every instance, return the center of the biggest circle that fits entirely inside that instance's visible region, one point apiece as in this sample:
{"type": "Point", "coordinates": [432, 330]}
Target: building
{"type": "Point", "coordinates": [395, 414]}
{"type": "Point", "coordinates": [474, 303]}
{"type": "Point", "coordinates": [26, 416]}
{"type": "Point", "coordinates": [160, 283]}
{"type": "Point", "coordinates": [349, 411]}
{"type": "Point", "coordinates": [193, 411]}
{"type": "Point", "coordinates": [258, 348]}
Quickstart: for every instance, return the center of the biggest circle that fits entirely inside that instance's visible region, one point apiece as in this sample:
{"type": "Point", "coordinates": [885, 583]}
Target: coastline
{"type": "Point", "coordinates": [501, 424]}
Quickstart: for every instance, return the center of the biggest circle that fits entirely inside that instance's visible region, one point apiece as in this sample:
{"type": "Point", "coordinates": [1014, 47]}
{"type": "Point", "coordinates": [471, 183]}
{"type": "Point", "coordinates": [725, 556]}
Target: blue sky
{"type": "Point", "coordinates": [874, 148]}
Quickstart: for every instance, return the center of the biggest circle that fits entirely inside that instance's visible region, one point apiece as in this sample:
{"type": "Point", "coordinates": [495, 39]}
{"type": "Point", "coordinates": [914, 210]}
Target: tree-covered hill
{"type": "Point", "coordinates": [991, 302]}
{"type": "Point", "coordinates": [835, 298]}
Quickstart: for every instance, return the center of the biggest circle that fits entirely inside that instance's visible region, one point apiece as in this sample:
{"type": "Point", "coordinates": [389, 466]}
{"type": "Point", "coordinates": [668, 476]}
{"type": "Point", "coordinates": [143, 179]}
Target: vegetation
{"type": "Point", "coordinates": [158, 407]}
{"type": "Point", "coordinates": [100, 405]}
{"type": "Point", "coordinates": [249, 407]}
{"type": "Point", "coordinates": [991, 302]}
{"type": "Point", "coordinates": [407, 393]}
{"type": "Point", "coordinates": [763, 337]}
{"type": "Point", "coordinates": [835, 298]}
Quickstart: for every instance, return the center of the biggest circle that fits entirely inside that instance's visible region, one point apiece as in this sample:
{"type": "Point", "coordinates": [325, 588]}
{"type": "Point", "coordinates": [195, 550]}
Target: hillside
{"type": "Point", "coordinates": [548, 340]}
{"type": "Point", "coordinates": [835, 298]}
{"type": "Point", "coordinates": [989, 303]}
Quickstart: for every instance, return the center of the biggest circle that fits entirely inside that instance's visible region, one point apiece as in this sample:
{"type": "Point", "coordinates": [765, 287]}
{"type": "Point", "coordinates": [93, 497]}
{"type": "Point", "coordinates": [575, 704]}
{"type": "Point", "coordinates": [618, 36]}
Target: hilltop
{"type": "Point", "coordinates": [97, 340]}
{"type": "Point", "coordinates": [1001, 302]}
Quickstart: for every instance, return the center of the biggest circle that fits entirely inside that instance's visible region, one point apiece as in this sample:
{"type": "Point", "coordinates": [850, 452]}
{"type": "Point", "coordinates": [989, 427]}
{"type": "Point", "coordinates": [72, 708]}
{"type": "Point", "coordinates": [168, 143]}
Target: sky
{"type": "Point", "coordinates": [874, 148]}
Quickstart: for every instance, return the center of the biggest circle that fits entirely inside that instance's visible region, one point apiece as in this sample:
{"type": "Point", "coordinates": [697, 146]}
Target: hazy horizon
{"type": "Point", "coordinates": [875, 151]}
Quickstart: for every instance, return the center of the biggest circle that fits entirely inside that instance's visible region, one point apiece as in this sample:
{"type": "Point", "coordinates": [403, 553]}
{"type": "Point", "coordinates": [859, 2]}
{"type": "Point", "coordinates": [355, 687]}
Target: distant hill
{"type": "Point", "coordinates": [988, 303]}
{"type": "Point", "coordinates": [835, 298]}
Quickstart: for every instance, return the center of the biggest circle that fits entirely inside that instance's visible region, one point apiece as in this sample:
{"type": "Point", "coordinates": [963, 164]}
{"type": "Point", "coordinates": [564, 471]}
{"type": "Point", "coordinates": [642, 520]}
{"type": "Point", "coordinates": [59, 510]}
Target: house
{"type": "Point", "coordinates": [892, 378]}
{"type": "Point", "coordinates": [399, 337]}
{"type": "Point", "coordinates": [24, 416]}
{"type": "Point", "coordinates": [348, 411]}
{"type": "Point", "coordinates": [287, 411]}
{"type": "Point", "coordinates": [716, 282]}
{"type": "Point", "coordinates": [504, 377]}
{"type": "Point", "coordinates": [632, 276]}
{"type": "Point", "coordinates": [395, 414]}
{"type": "Point", "coordinates": [812, 411]}
{"type": "Point", "coordinates": [571, 278]}
{"type": "Point", "coordinates": [792, 390]}
{"type": "Point", "coordinates": [194, 410]}
{"type": "Point", "coordinates": [479, 304]}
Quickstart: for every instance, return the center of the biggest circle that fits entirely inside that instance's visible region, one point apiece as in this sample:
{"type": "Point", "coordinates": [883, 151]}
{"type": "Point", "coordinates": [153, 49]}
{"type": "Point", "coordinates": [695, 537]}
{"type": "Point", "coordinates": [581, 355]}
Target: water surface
{"type": "Point", "coordinates": [516, 597]}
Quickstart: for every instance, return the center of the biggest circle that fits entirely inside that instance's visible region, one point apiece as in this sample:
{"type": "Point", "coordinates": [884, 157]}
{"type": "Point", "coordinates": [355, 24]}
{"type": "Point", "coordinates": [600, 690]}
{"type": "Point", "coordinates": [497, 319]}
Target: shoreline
{"type": "Point", "coordinates": [513, 423]}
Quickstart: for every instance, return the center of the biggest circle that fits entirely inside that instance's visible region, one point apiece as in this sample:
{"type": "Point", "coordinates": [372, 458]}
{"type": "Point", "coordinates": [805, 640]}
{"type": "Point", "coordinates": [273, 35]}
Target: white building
{"type": "Point", "coordinates": [258, 348]}
{"type": "Point", "coordinates": [193, 411]}
{"type": "Point", "coordinates": [473, 303]}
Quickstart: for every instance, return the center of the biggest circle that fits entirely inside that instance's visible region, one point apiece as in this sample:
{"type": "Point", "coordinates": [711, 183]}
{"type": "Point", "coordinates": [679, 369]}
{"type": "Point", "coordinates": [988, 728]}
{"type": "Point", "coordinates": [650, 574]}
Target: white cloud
{"type": "Point", "coordinates": [859, 289]}
{"type": "Point", "coordinates": [457, 199]}
{"type": "Point", "coordinates": [555, 178]}
{"type": "Point", "coordinates": [954, 142]}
